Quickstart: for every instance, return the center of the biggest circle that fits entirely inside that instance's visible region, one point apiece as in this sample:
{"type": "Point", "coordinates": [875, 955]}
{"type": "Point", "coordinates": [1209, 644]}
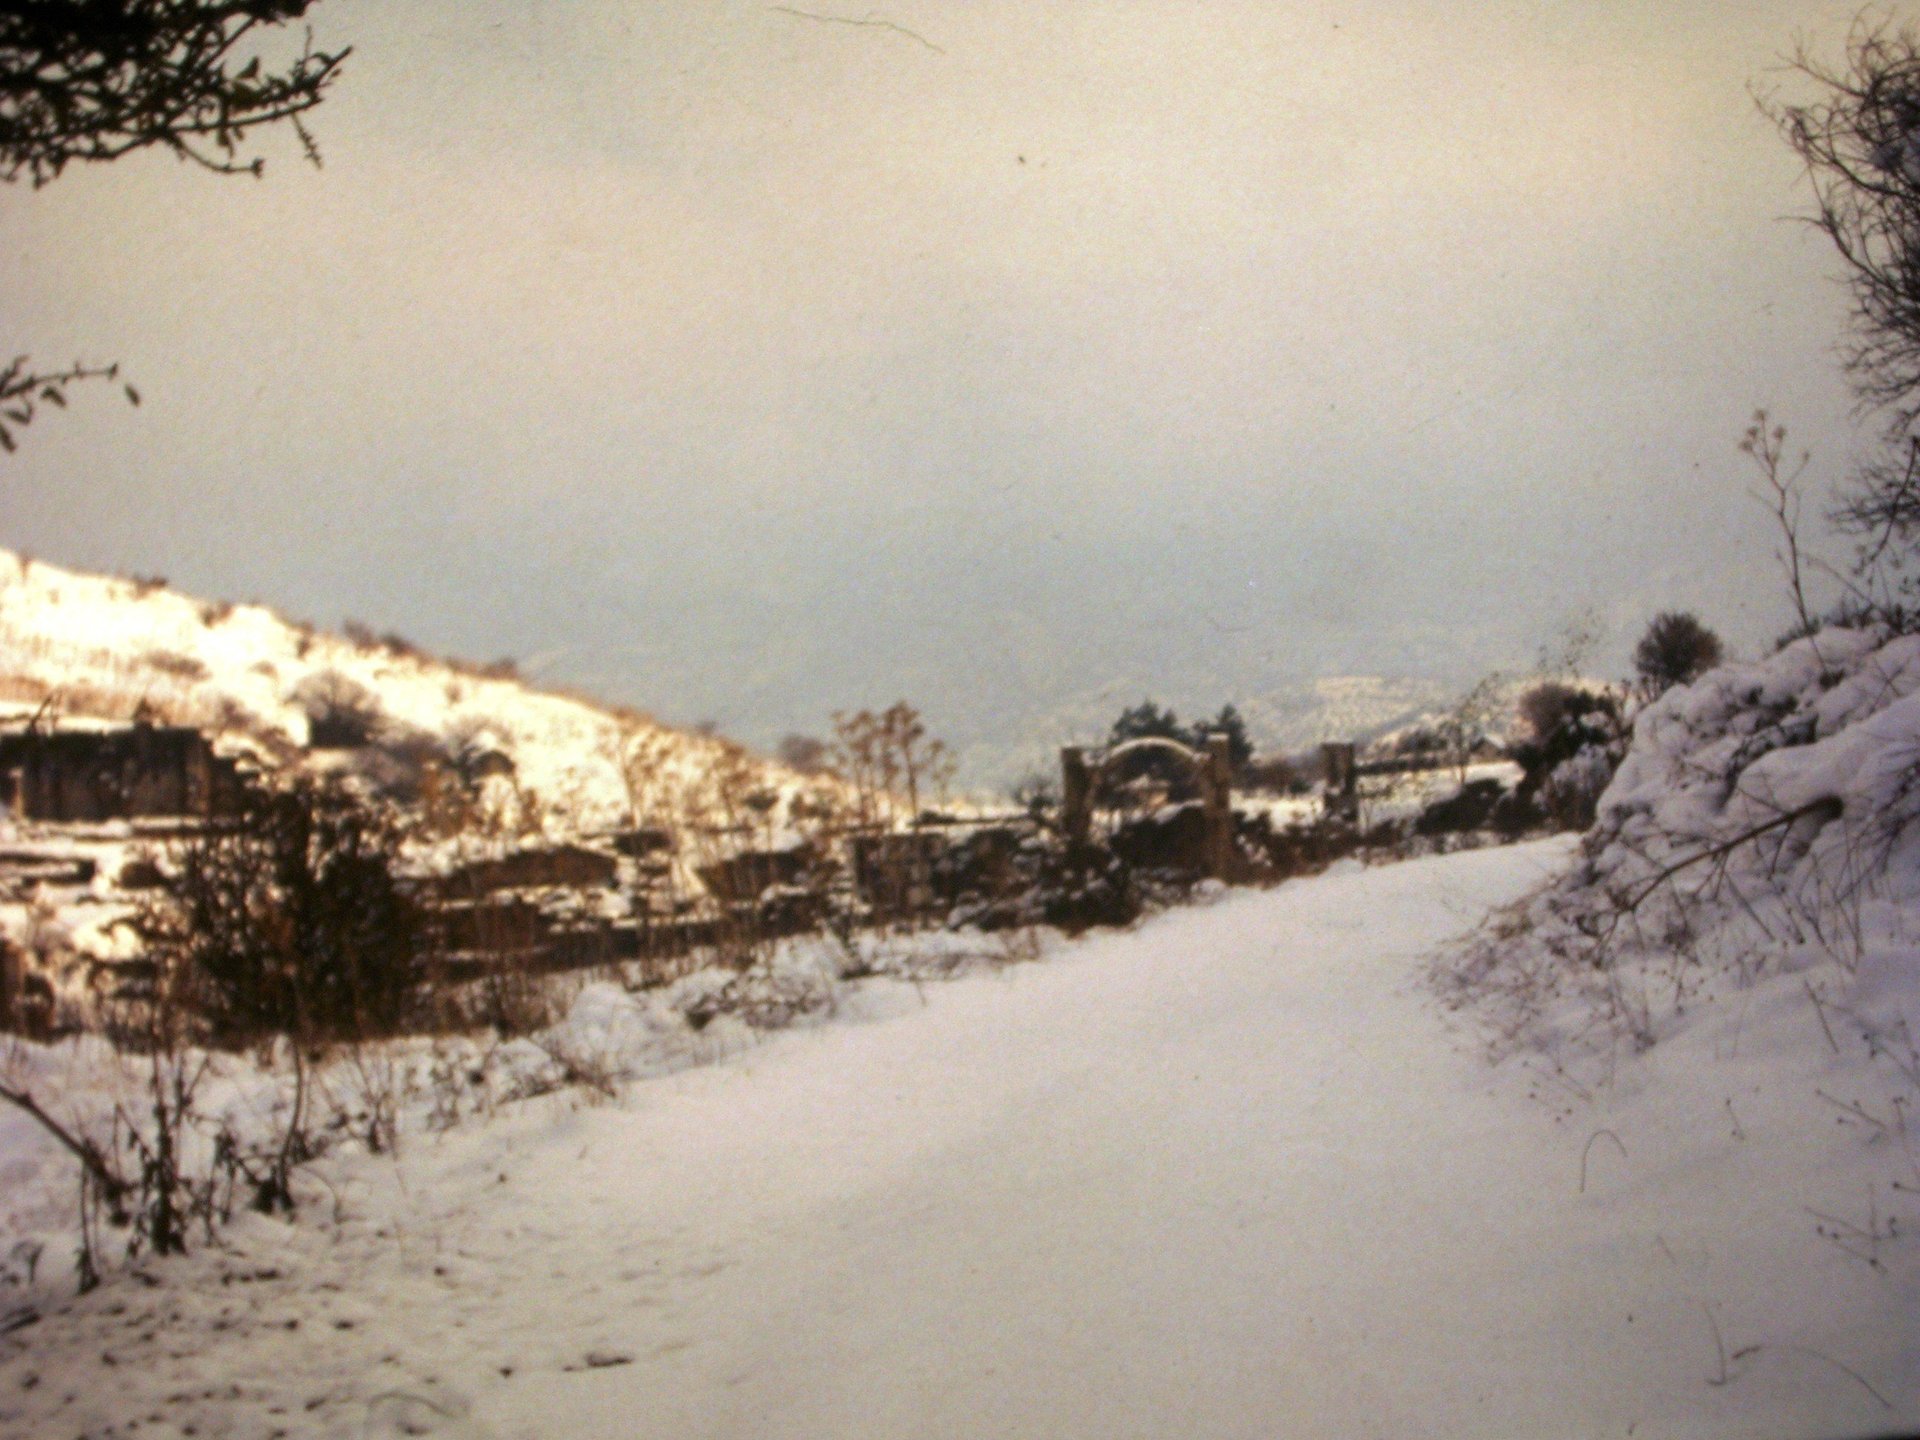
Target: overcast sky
{"type": "Point", "coordinates": [1013, 357]}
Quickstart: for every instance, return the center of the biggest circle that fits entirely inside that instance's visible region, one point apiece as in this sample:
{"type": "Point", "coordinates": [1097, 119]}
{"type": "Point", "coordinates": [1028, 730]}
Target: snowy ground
{"type": "Point", "coordinates": [1230, 1174]}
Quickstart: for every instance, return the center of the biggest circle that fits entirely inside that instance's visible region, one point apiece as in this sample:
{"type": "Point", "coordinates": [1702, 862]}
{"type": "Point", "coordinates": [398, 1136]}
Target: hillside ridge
{"type": "Point", "coordinates": [88, 648]}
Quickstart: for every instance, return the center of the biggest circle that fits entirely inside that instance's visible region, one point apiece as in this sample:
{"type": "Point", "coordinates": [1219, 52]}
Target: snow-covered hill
{"type": "Point", "coordinates": [1750, 892]}
{"type": "Point", "coordinates": [1341, 707]}
{"type": "Point", "coordinates": [99, 647]}
{"type": "Point", "coordinates": [1764, 823]}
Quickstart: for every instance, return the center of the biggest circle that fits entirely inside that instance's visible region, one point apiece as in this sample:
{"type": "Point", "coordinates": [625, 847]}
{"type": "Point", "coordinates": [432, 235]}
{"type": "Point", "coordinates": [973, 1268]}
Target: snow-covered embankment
{"type": "Point", "coordinates": [1228, 1174]}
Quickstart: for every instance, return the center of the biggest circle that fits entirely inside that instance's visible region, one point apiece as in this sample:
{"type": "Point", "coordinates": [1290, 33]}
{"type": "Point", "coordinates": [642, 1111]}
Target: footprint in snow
{"type": "Point", "coordinates": [411, 1412]}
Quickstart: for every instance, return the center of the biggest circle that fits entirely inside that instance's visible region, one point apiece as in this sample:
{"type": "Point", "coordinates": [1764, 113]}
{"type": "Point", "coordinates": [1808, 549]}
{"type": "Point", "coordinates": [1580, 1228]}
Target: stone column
{"type": "Point", "coordinates": [1076, 795]}
{"type": "Point", "coordinates": [1216, 805]}
{"type": "Point", "coordinates": [1342, 793]}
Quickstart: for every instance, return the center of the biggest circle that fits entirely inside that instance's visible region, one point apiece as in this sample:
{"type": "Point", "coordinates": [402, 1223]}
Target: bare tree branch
{"type": "Point", "coordinates": [93, 80]}
{"type": "Point", "coordinates": [111, 1185]}
{"type": "Point", "coordinates": [23, 391]}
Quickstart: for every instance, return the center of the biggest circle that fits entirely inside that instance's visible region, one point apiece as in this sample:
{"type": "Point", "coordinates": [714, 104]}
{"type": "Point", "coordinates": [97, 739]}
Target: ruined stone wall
{"type": "Point", "coordinates": [115, 775]}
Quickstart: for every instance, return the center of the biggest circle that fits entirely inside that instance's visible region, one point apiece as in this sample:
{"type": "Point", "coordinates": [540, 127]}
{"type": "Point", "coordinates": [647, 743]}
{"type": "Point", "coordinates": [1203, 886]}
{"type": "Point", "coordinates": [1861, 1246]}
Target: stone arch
{"type": "Point", "coordinates": [1212, 767]}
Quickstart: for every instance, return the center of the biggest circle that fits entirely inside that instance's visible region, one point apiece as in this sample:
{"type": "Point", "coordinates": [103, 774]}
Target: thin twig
{"type": "Point", "coordinates": [1825, 802]}
{"type": "Point", "coordinates": [1720, 1348]}
{"type": "Point", "coordinates": [88, 1154]}
{"type": "Point", "coordinates": [1843, 1368]}
{"type": "Point", "coordinates": [1821, 1011]}
{"type": "Point", "coordinates": [1855, 1109]}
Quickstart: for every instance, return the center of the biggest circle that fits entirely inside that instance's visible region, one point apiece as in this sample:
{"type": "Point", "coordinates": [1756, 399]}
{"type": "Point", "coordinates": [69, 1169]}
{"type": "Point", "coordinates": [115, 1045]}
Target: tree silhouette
{"type": "Point", "coordinates": [89, 81]}
{"type": "Point", "coordinates": [1859, 138]}
{"type": "Point", "coordinates": [1675, 650]}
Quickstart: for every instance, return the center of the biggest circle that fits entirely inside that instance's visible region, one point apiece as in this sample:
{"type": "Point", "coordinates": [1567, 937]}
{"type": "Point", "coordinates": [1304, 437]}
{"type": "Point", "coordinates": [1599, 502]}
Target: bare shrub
{"type": "Point", "coordinates": [155, 1167]}
{"type": "Point", "coordinates": [741, 861]}
{"type": "Point", "coordinates": [402, 764]}
{"type": "Point", "coordinates": [1676, 649]}
{"type": "Point", "coordinates": [513, 999]}
{"type": "Point", "coordinates": [763, 994]}
{"type": "Point", "coordinates": [1465, 725]}
{"type": "Point", "coordinates": [1857, 140]}
{"type": "Point", "coordinates": [291, 922]}
{"type": "Point", "coordinates": [596, 1071]}
{"type": "Point", "coordinates": [286, 926]}
{"type": "Point", "coordinates": [887, 757]}
{"type": "Point", "coordinates": [508, 993]}
{"type": "Point", "coordinates": [807, 754]}
{"type": "Point", "coordinates": [341, 713]}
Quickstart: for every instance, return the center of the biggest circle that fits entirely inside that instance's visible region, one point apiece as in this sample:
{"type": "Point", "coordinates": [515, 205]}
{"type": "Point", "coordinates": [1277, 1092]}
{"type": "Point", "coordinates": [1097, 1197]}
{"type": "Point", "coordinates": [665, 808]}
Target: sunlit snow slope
{"type": "Point", "coordinates": [97, 646]}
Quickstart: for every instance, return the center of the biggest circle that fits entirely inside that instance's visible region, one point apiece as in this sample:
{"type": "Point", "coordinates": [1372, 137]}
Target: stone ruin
{"type": "Point", "coordinates": [137, 772]}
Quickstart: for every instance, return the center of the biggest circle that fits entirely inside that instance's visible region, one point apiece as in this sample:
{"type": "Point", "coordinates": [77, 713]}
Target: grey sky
{"type": "Point", "coordinates": [1021, 360]}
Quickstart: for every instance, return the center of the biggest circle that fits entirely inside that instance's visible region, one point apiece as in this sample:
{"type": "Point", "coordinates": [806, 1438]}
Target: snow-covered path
{"type": "Point", "coordinates": [1228, 1175]}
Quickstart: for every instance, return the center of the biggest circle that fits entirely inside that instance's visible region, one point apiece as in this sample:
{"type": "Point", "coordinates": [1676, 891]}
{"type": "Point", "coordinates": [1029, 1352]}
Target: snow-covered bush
{"type": "Point", "coordinates": [1765, 819]}
{"type": "Point", "coordinates": [290, 922]}
{"type": "Point", "coordinates": [1573, 738]}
